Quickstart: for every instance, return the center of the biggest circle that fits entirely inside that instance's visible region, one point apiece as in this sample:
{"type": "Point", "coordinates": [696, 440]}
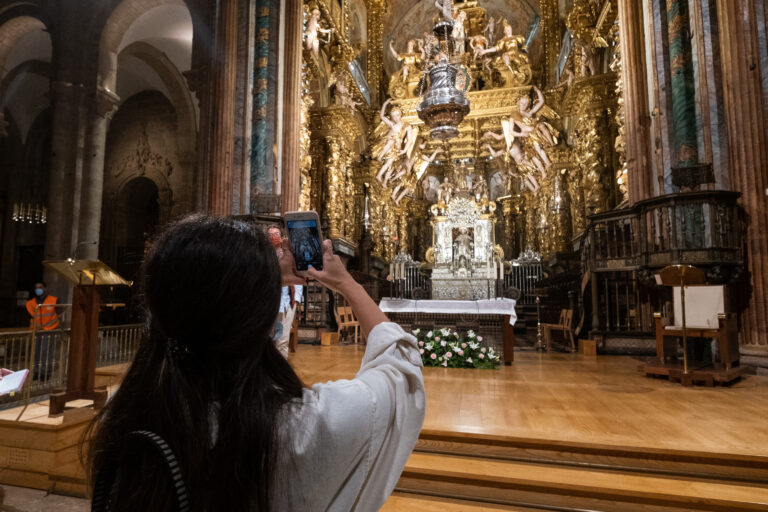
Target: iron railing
{"type": "Point", "coordinates": [524, 275]}
{"type": "Point", "coordinates": [45, 354]}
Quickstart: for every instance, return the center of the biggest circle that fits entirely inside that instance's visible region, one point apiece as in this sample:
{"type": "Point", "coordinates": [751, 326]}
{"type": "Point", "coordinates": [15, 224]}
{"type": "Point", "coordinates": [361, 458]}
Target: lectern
{"type": "Point", "coordinates": [86, 276]}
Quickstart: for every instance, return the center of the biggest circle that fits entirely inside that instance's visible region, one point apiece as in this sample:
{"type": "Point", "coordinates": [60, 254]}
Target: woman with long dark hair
{"type": "Point", "coordinates": [243, 431]}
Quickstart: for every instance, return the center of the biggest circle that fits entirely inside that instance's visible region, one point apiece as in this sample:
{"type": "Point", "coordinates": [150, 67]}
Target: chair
{"type": "Point", "coordinates": [564, 325]}
{"type": "Point", "coordinates": [705, 317]}
{"type": "Point", "coordinates": [345, 318]}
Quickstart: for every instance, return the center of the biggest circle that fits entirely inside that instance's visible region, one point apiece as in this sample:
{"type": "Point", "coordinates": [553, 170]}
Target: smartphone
{"type": "Point", "coordinates": [303, 230]}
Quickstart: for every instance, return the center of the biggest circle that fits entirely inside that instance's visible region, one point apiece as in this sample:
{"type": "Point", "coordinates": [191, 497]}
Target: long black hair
{"type": "Point", "coordinates": [207, 377]}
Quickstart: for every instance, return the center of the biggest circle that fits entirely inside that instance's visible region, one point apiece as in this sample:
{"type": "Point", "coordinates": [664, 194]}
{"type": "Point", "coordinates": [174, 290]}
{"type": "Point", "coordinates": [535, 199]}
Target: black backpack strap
{"type": "Point", "coordinates": [106, 477]}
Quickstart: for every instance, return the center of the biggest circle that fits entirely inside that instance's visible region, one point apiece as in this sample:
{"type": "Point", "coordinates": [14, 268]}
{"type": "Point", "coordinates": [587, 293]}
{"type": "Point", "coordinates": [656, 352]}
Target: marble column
{"type": "Point", "coordinates": [221, 97]}
{"type": "Point", "coordinates": [291, 136]}
{"type": "Point", "coordinates": [637, 115]}
{"type": "Point", "coordinates": [681, 80]}
{"type": "Point", "coordinates": [748, 154]}
{"type": "Point", "coordinates": [104, 105]}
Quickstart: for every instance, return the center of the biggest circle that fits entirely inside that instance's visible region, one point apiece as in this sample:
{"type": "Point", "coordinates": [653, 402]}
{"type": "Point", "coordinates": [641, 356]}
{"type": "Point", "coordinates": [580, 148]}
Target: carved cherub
{"type": "Point", "coordinates": [311, 33]}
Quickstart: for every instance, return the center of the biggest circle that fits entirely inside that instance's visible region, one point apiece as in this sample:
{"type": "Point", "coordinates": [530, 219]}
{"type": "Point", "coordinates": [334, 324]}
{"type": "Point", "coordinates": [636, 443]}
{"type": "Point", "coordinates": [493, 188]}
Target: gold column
{"type": "Point", "coordinates": [637, 115]}
{"type": "Point", "coordinates": [336, 188]}
{"type": "Point", "coordinates": [291, 137]}
{"type": "Point", "coordinates": [376, 10]}
{"type": "Point", "coordinates": [551, 36]}
{"type": "Point", "coordinates": [748, 153]}
{"type": "Point", "coordinates": [221, 90]}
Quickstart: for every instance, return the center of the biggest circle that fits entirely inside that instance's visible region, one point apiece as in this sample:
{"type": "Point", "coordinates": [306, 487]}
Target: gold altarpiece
{"type": "Point", "coordinates": [584, 173]}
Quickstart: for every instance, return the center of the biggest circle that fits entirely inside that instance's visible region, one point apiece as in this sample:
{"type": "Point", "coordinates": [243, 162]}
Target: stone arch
{"type": "Point", "coordinates": [12, 30]}
{"type": "Point", "coordinates": [180, 96]}
{"type": "Point", "coordinates": [115, 28]}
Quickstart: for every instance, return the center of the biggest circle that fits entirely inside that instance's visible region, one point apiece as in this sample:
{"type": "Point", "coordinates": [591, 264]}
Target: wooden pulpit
{"type": "Point", "coordinates": [86, 276]}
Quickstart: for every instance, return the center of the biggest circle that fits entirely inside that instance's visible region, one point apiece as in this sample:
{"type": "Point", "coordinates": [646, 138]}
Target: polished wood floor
{"type": "Point", "coordinates": [574, 398]}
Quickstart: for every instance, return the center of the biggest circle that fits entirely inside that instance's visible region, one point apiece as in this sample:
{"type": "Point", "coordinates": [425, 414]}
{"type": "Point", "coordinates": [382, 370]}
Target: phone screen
{"type": "Point", "coordinates": [306, 245]}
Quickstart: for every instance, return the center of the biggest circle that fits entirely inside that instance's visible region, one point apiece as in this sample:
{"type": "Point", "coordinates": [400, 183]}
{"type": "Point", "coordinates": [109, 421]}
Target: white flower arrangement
{"type": "Point", "coordinates": [448, 349]}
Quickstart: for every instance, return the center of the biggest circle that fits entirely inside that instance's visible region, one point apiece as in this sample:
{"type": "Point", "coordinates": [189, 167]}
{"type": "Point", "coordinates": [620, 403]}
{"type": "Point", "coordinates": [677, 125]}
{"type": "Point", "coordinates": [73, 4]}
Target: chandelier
{"type": "Point", "coordinates": [30, 213]}
{"type": "Point", "coordinates": [444, 105]}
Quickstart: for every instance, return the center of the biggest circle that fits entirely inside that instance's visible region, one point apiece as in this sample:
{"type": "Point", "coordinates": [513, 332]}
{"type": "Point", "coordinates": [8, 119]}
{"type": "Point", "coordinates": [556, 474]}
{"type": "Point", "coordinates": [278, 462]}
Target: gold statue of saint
{"type": "Point", "coordinates": [510, 60]}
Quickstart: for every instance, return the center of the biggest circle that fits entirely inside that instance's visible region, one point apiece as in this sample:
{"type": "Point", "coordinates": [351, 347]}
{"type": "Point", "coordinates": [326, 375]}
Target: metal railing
{"type": "Point", "coordinates": [45, 354]}
{"type": "Point", "coordinates": [698, 228]}
{"type": "Point", "coordinates": [622, 249]}
{"type": "Point", "coordinates": [524, 275]}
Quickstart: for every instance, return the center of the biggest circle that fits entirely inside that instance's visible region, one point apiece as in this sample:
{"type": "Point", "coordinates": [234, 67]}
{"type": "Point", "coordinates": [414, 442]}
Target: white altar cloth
{"type": "Point", "coordinates": [476, 307]}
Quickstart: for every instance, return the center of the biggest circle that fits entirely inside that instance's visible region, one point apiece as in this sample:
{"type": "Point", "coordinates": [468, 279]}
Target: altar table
{"type": "Point", "coordinates": [493, 319]}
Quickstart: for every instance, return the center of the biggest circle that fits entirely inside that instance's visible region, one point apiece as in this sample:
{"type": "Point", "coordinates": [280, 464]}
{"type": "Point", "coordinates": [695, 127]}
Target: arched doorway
{"type": "Point", "coordinates": [137, 219]}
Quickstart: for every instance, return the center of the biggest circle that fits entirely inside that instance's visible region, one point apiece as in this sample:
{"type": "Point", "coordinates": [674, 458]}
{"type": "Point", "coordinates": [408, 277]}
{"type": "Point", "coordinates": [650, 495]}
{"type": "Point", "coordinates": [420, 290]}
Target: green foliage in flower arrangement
{"type": "Point", "coordinates": [445, 348]}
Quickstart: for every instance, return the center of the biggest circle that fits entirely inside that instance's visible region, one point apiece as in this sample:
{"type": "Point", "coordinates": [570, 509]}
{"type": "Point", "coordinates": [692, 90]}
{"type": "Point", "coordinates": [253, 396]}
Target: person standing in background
{"type": "Point", "coordinates": [42, 313]}
{"type": "Point", "coordinates": [291, 297]}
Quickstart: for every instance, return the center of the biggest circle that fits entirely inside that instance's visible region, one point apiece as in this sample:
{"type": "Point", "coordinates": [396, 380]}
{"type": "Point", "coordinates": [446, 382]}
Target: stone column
{"type": "Point", "coordinates": [637, 115]}
{"type": "Point", "coordinates": [748, 153]}
{"type": "Point", "coordinates": [221, 98]}
{"type": "Point", "coordinates": [292, 55]}
{"type": "Point", "coordinates": [104, 105]}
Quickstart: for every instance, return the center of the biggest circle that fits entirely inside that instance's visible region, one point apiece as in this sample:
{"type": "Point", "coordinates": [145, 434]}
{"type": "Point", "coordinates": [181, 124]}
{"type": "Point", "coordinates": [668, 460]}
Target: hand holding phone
{"type": "Point", "coordinates": [303, 230]}
{"type": "Point", "coordinates": [334, 275]}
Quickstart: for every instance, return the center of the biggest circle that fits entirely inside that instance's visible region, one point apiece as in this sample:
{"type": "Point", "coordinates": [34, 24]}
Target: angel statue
{"type": "Point", "coordinates": [403, 83]}
{"type": "Point", "coordinates": [525, 124]}
{"type": "Point", "coordinates": [542, 131]}
{"type": "Point", "coordinates": [445, 6]}
{"type": "Point", "coordinates": [394, 138]}
{"type": "Point", "coordinates": [311, 33]}
{"type": "Point", "coordinates": [529, 181]}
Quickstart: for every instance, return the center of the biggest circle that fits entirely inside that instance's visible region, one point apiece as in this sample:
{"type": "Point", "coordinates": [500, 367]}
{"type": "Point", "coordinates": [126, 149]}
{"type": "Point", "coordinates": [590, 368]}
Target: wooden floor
{"type": "Point", "coordinates": [575, 398]}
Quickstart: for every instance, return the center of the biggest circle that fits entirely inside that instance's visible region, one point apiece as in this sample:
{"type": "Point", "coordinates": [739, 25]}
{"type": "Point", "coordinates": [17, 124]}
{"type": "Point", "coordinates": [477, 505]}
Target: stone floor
{"type": "Point", "coordinates": [19, 499]}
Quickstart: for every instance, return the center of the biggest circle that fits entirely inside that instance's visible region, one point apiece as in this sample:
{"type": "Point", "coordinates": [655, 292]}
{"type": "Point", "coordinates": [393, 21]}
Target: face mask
{"type": "Point", "coordinates": [39, 291]}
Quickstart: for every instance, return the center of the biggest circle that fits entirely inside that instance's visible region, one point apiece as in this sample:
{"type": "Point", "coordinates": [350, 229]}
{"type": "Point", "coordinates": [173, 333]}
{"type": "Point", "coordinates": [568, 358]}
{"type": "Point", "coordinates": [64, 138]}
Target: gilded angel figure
{"type": "Point", "coordinates": [528, 179]}
{"type": "Point", "coordinates": [415, 168]}
{"type": "Point", "coordinates": [394, 139]}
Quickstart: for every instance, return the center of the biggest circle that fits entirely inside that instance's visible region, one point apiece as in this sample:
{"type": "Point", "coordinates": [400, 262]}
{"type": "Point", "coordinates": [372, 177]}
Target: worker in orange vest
{"type": "Point", "coordinates": [43, 318]}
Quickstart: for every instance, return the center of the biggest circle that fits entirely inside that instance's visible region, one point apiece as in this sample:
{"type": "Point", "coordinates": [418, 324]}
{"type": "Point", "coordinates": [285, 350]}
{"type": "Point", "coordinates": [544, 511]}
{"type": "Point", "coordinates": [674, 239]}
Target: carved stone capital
{"type": "Point", "coordinates": [106, 103]}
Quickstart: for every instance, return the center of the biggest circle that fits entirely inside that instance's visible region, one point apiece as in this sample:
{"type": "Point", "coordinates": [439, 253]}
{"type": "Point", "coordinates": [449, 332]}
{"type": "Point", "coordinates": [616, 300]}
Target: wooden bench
{"type": "Point", "coordinates": [564, 325]}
